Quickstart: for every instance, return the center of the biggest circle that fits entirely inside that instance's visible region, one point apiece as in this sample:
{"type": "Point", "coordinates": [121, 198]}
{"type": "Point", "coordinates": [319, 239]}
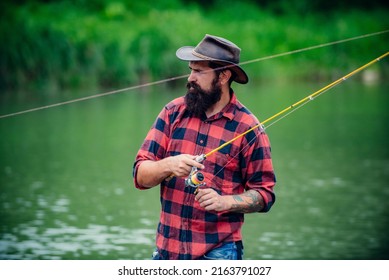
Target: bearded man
{"type": "Point", "coordinates": [206, 222]}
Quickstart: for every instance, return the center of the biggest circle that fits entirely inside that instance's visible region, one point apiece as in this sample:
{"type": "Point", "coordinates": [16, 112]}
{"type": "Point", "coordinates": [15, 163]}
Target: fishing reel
{"type": "Point", "coordinates": [195, 178]}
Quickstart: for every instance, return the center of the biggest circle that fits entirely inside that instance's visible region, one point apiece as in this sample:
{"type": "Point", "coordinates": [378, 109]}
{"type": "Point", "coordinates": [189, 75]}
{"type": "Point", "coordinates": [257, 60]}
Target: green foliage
{"type": "Point", "coordinates": [105, 43]}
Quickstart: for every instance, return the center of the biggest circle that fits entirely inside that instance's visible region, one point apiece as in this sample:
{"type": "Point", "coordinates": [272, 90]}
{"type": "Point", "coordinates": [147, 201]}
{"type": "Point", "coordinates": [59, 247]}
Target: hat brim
{"type": "Point", "coordinates": [186, 53]}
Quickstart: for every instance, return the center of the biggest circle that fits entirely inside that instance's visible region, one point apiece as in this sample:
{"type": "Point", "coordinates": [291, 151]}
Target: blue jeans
{"type": "Point", "coordinates": [227, 251]}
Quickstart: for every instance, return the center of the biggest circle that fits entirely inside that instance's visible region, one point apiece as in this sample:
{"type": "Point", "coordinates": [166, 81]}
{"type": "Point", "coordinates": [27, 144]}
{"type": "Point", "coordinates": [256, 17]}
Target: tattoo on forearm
{"type": "Point", "coordinates": [237, 198]}
{"type": "Point", "coordinates": [247, 202]}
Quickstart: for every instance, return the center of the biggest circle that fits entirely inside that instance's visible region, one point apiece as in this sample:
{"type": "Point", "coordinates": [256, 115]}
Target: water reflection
{"type": "Point", "coordinates": [65, 241]}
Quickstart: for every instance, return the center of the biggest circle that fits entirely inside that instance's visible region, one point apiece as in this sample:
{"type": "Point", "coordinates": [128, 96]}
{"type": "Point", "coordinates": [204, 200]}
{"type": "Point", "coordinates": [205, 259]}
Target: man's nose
{"type": "Point", "coordinates": [192, 77]}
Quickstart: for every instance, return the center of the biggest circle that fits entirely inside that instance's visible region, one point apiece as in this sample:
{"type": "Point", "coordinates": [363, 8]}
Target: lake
{"type": "Point", "coordinates": [66, 189]}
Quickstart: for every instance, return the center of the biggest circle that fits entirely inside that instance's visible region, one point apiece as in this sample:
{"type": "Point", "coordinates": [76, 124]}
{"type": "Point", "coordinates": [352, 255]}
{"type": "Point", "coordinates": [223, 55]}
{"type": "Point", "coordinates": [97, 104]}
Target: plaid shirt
{"type": "Point", "coordinates": [185, 230]}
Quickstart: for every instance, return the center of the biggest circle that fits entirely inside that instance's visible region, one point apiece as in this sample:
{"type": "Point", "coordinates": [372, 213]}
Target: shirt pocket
{"type": "Point", "coordinates": [226, 173]}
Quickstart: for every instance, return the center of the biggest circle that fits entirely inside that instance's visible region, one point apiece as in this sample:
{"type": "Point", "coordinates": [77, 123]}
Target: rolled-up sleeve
{"type": "Point", "coordinates": [155, 144]}
{"type": "Point", "coordinates": [259, 170]}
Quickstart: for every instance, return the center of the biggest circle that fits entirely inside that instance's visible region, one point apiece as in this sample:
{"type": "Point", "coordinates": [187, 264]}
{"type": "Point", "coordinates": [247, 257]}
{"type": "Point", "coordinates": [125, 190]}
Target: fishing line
{"type": "Point", "coordinates": [316, 47]}
{"type": "Point", "coordinates": [94, 96]}
{"type": "Point", "coordinates": [185, 76]}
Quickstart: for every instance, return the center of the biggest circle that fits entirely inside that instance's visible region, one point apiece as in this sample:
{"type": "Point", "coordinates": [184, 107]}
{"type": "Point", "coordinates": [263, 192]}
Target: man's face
{"type": "Point", "coordinates": [201, 74]}
{"type": "Point", "coordinates": [203, 88]}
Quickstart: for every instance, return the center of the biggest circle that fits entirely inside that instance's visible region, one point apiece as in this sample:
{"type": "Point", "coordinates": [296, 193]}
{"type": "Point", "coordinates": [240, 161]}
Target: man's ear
{"type": "Point", "coordinates": [225, 76]}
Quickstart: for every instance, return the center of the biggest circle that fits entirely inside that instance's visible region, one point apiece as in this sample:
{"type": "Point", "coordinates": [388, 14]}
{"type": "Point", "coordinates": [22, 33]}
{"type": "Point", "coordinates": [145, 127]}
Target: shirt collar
{"type": "Point", "coordinates": [228, 111]}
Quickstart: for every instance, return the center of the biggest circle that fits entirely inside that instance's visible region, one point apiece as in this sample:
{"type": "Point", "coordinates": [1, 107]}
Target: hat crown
{"type": "Point", "coordinates": [217, 48]}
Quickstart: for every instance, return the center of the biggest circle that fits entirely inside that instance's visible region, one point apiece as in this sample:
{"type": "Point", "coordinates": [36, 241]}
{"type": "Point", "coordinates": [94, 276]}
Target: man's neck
{"type": "Point", "coordinates": [224, 100]}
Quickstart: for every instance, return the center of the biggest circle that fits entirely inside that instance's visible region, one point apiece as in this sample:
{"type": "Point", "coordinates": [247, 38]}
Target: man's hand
{"type": "Point", "coordinates": [151, 173]}
{"type": "Point", "coordinates": [210, 200]}
{"type": "Point", "coordinates": [181, 165]}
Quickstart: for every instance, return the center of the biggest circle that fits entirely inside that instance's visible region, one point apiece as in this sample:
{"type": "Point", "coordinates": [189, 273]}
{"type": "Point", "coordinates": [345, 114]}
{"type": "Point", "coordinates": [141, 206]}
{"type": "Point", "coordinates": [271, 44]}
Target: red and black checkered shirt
{"type": "Point", "coordinates": [185, 230]}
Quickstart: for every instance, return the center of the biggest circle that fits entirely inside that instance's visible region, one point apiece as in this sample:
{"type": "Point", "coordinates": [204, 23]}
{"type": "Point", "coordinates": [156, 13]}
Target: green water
{"type": "Point", "coordinates": [66, 188]}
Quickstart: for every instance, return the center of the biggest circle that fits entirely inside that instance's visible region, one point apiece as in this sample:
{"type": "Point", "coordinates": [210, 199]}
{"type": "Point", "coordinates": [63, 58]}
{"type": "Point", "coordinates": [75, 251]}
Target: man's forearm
{"type": "Point", "coordinates": [248, 202]}
{"type": "Point", "coordinates": [152, 173]}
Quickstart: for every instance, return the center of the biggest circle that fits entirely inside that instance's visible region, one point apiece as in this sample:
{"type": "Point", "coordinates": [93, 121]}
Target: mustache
{"type": "Point", "coordinates": [193, 85]}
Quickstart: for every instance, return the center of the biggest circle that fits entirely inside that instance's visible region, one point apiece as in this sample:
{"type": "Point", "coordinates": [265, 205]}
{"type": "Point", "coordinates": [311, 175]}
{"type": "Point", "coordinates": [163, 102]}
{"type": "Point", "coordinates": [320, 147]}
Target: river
{"type": "Point", "coordinates": [66, 188]}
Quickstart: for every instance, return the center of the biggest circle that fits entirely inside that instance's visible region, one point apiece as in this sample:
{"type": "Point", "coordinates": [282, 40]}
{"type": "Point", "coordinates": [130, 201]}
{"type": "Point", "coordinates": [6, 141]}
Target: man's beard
{"type": "Point", "coordinates": [198, 101]}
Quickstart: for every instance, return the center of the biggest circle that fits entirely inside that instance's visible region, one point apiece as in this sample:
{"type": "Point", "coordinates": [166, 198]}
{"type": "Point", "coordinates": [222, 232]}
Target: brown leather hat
{"type": "Point", "coordinates": [220, 51]}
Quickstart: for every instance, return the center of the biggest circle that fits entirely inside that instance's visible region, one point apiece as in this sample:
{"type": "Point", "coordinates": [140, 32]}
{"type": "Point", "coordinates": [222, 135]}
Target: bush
{"type": "Point", "coordinates": [119, 43]}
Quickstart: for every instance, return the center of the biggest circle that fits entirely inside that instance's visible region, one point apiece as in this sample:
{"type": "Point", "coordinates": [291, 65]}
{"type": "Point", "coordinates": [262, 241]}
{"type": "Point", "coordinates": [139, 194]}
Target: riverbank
{"type": "Point", "coordinates": [58, 46]}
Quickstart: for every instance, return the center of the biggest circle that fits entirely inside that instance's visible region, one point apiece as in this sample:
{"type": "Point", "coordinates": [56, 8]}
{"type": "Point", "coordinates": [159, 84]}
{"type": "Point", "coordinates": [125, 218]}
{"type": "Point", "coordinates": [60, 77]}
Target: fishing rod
{"type": "Point", "coordinates": [196, 178]}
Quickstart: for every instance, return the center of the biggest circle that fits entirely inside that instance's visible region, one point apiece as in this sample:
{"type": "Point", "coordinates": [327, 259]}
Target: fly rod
{"type": "Point", "coordinates": [298, 103]}
{"type": "Point", "coordinates": [195, 178]}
